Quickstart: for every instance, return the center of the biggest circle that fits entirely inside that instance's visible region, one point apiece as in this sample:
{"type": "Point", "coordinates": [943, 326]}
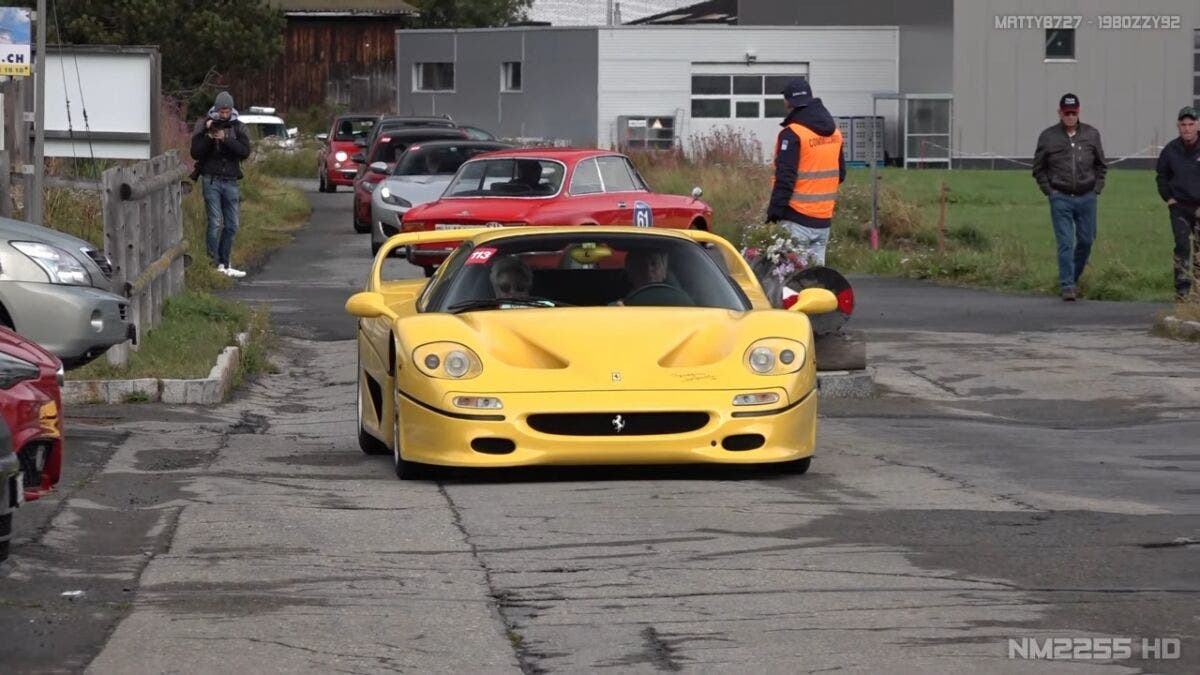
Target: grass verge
{"type": "Point", "coordinates": [298, 163]}
{"type": "Point", "coordinates": [197, 325]}
{"type": "Point", "coordinates": [996, 234]}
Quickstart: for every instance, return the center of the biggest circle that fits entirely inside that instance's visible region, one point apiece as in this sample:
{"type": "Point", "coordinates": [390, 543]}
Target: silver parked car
{"type": "Point", "coordinates": [421, 175]}
{"type": "Point", "coordinates": [56, 290]}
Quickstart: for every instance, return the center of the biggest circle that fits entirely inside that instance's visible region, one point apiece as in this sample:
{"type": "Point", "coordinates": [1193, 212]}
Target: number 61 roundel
{"type": "Point", "coordinates": [643, 215]}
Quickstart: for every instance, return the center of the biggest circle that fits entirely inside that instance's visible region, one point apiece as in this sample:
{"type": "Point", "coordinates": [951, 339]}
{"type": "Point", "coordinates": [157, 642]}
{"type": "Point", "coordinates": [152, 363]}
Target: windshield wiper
{"type": "Point", "coordinates": [493, 303]}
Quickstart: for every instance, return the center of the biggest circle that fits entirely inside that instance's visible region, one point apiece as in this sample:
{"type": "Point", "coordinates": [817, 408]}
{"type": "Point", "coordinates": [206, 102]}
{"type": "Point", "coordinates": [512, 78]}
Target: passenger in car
{"type": "Point", "coordinates": [511, 278]}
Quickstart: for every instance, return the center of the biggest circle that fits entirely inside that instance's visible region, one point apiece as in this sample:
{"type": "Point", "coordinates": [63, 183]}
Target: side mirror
{"type": "Point", "coordinates": [379, 167]}
{"type": "Point", "coordinates": [368, 305]}
{"type": "Point", "coordinates": [358, 158]}
{"type": "Point", "coordinates": [322, 137]}
{"type": "Point", "coordinates": [815, 301]}
{"type": "Point", "coordinates": [696, 192]}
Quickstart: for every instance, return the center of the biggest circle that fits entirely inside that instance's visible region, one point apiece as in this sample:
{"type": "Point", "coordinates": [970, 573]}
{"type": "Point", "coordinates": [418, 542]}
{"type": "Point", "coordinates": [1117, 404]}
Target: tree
{"type": "Point", "coordinates": [469, 13]}
{"type": "Point", "coordinates": [196, 39]}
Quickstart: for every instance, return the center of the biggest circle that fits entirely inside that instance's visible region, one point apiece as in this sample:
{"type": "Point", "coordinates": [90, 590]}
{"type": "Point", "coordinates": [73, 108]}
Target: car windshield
{"type": "Point", "coordinates": [560, 270]}
{"type": "Point", "coordinates": [439, 159]}
{"type": "Point", "coordinates": [353, 127]}
{"type": "Point", "coordinates": [261, 130]}
{"type": "Point", "coordinates": [507, 177]}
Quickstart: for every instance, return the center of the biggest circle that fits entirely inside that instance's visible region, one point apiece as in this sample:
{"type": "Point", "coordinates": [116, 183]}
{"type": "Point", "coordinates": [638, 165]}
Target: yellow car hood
{"type": "Point", "coordinates": [610, 348]}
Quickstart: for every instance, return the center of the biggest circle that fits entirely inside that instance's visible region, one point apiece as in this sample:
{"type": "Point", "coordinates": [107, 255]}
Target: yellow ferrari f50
{"type": "Point", "coordinates": [583, 345]}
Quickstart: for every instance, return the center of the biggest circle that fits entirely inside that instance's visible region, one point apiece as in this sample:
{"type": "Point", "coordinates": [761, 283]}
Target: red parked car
{"type": "Point", "coordinates": [31, 405]}
{"type": "Point", "coordinates": [334, 166]}
{"type": "Point", "coordinates": [549, 186]}
{"type": "Point", "coordinates": [377, 163]}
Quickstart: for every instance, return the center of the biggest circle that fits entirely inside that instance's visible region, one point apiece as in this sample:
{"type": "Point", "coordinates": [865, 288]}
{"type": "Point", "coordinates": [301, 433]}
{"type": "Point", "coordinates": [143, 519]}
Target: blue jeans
{"type": "Point", "coordinates": [1074, 220]}
{"type": "Point", "coordinates": [813, 240]}
{"type": "Point", "coordinates": [221, 200]}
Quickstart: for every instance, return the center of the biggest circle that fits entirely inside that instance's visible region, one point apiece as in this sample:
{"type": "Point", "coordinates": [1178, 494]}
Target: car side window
{"type": "Point", "coordinates": [616, 175]}
{"type": "Point", "coordinates": [586, 179]}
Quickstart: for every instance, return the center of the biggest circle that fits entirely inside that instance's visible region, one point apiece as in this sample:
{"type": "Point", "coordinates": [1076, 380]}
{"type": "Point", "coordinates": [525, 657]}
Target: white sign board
{"type": "Point", "coordinates": [99, 102]}
{"type": "Point", "coordinates": [14, 42]}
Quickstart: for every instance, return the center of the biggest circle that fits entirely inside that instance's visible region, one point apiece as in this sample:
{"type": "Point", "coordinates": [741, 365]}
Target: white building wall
{"type": "Point", "coordinates": [647, 71]}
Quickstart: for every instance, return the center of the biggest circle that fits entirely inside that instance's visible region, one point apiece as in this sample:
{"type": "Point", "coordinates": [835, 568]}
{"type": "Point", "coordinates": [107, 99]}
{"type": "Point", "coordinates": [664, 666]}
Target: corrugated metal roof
{"type": "Point", "coordinates": [593, 12]}
{"type": "Point", "coordinates": [337, 7]}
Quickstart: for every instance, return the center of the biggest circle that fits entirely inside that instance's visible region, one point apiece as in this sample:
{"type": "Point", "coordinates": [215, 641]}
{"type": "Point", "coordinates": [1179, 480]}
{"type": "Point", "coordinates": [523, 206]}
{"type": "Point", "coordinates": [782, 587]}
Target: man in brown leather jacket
{"type": "Point", "coordinates": [1069, 167]}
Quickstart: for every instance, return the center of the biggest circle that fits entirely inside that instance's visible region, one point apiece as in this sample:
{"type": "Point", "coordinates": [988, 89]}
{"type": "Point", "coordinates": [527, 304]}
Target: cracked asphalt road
{"type": "Point", "coordinates": [1031, 471]}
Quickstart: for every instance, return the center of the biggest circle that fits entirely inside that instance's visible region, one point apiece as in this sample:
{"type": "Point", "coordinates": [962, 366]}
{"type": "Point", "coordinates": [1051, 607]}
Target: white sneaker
{"type": "Point", "coordinates": [221, 270]}
{"type": "Point", "coordinates": [234, 274]}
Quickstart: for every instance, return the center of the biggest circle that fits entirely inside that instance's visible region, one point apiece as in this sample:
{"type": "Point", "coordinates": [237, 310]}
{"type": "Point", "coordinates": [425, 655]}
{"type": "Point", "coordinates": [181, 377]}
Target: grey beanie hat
{"type": "Point", "coordinates": [224, 100]}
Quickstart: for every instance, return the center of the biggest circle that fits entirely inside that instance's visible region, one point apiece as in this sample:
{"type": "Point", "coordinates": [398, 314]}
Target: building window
{"type": "Point", "coordinates": [510, 76]}
{"type": "Point", "coordinates": [1196, 68]}
{"type": "Point", "coordinates": [1060, 43]}
{"type": "Point", "coordinates": [721, 95]}
{"type": "Point", "coordinates": [433, 77]}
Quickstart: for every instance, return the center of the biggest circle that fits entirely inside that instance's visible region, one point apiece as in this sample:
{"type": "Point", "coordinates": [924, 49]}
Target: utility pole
{"type": "Point", "coordinates": [34, 201]}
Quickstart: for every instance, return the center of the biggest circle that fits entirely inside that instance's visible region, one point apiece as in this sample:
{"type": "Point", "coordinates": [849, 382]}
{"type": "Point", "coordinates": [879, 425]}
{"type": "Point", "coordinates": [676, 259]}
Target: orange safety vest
{"type": "Point", "coordinates": [817, 175]}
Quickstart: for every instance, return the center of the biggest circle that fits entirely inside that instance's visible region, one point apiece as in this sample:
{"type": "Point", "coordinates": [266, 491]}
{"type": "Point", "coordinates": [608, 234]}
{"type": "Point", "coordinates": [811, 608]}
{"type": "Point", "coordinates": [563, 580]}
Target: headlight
{"type": "Point", "coordinates": [340, 156]}
{"type": "Point", "coordinates": [60, 266]}
{"type": "Point", "coordinates": [14, 371]}
{"type": "Point", "coordinates": [394, 199]}
{"type": "Point", "coordinates": [775, 356]}
{"type": "Point", "coordinates": [447, 360]}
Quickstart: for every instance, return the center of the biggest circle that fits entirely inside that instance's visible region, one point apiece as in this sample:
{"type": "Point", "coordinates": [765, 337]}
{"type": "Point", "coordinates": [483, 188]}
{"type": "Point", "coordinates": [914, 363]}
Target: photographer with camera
{"type": "Point", "coordinates": [219, 144]}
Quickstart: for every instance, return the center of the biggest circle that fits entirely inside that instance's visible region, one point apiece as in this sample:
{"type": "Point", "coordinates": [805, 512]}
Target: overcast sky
{"type": "Point", "coordinates": [591, 12]}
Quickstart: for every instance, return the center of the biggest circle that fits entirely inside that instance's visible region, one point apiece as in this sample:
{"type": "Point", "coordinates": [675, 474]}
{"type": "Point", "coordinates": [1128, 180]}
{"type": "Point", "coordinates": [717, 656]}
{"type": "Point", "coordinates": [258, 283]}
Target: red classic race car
{"type": "Point", "coordinates": [31, 453]}
{"type": "Point", "coordinates": [334, 166]}
{"type": "Point", "coordinates": [549, 186]}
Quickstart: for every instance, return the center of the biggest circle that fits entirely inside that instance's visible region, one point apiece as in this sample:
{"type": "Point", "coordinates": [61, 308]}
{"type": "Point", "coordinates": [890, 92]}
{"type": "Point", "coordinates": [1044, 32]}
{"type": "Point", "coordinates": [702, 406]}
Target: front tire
{"type": "Point", "coordinates": [797, 467]}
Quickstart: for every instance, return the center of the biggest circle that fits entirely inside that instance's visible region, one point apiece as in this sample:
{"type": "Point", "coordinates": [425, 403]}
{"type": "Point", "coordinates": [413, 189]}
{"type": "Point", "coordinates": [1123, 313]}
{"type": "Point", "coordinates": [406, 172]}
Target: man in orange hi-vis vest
{"type": "Point", "coordinates": [808, 169]}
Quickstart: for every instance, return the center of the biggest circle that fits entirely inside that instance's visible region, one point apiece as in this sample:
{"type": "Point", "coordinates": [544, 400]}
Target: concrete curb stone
{"type": "Point", "coordinates": [846, 383]}
{"type": "Point", "coordinates": [204, 391]}
{"type": "Point", "coordinates": [1183, 327]}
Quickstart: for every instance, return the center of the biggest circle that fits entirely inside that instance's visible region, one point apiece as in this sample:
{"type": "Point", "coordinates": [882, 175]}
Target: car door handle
{"type": "Point", "coordinates": [622, 205]}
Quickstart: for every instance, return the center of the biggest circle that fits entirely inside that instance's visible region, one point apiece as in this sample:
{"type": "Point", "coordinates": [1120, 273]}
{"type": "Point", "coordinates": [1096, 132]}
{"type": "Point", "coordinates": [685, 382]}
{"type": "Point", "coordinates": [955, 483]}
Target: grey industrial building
{"type": "Point", "coordinates": [964, 81]}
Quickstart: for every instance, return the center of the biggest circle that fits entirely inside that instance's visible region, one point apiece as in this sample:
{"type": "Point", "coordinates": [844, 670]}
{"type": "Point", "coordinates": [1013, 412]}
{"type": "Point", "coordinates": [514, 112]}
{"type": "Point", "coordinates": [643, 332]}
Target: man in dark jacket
{"type": "Point", "coordinates": [809, 166]}
{"type": "Point", "coordinates": [1069, 167]}
{"type": "Point", "coordinates": [219, 144]}
{"type": "Point", "coordinates": [1179, 186]}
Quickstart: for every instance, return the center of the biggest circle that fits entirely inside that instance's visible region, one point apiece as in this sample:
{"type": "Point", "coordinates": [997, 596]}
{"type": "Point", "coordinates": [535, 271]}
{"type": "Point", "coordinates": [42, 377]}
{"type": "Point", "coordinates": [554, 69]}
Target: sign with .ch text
{"type": "Point", "coordinates": [14, 42]}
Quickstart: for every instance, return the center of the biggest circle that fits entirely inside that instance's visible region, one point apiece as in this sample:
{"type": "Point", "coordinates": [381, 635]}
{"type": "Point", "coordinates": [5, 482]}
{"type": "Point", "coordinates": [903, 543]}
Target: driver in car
{"type": "Point", "coordinates": [647, 272]}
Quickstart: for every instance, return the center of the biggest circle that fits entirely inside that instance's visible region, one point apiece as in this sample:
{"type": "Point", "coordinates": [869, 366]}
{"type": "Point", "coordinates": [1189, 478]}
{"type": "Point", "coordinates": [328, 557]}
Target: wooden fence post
{"type": "Point", "coordinates": [114, 244]}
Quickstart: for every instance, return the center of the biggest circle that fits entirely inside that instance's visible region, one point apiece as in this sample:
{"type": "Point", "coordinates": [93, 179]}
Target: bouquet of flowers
{"type": "Point", "coordinates": [774, 255]}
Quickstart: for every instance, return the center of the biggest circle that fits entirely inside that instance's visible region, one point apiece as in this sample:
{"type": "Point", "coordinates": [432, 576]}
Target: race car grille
{"type": "Point", "coordinates": [101, 261]}
{"type": "Point", "coordinates": [617, 424]}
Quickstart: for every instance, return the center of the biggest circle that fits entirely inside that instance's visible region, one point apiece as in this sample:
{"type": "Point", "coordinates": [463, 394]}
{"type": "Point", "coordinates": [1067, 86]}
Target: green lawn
{"type": "Point", "coordinates": [998, 232]}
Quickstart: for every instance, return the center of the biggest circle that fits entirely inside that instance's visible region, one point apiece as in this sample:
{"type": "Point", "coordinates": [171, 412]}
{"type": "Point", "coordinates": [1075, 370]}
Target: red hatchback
{"type": "Point", "coordinates": [334, 166]}
{"type": "Point", "coordinates": [550, 186]}
{"type": "Point", "coordinates": [376, 164]}
{"type": "Point", "coordinates": [31, 402]}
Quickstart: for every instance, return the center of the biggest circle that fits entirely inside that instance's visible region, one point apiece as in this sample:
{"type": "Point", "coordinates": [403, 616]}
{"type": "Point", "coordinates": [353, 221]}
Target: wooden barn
{"type": "Point", "coordinates": [335, 52]}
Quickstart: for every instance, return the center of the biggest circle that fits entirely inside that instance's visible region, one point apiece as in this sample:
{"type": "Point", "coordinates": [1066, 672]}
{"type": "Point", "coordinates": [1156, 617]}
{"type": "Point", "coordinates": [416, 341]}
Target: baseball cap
{"type": "Point", "coordinates": [1068, 102]}
{"type": "Point", "coordinates": [797, 92]}
{"type": "Point", "coordinates": [1188, 111]}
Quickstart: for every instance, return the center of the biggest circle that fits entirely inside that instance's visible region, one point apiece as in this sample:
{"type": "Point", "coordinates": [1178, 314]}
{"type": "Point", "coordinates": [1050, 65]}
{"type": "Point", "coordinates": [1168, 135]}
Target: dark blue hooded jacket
{"type": "Point", "coordinates": [787, 158]}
